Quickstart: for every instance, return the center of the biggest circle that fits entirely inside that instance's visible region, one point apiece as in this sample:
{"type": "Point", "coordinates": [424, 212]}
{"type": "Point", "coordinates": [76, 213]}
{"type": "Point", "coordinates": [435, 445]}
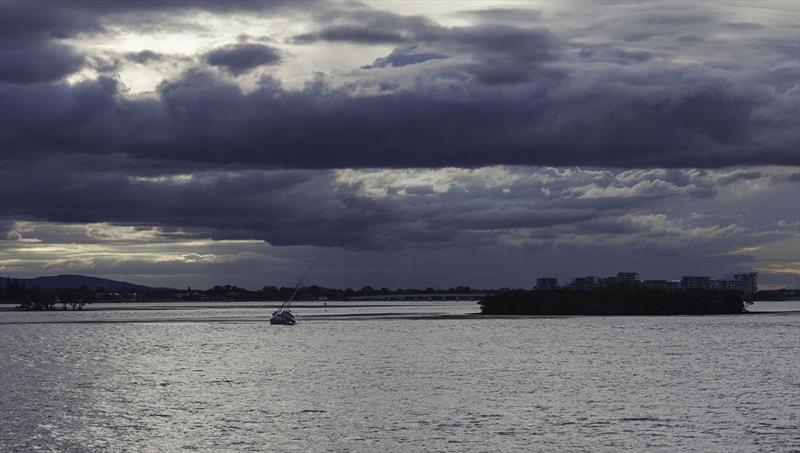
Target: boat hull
{"type": "Point", "coordinates": [282, 319]}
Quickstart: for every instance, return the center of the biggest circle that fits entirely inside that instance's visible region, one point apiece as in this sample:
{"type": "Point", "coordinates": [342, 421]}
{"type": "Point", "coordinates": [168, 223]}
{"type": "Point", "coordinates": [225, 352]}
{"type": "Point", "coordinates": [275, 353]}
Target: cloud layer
{"type": "Point", "coordinates": [401, 226]}
{"type": "Point", "coordinates": [660, 131]}
{"type": "Point", "coordinates": [513, 207]}
{"type": "Point", "coordinates": [492, 92]}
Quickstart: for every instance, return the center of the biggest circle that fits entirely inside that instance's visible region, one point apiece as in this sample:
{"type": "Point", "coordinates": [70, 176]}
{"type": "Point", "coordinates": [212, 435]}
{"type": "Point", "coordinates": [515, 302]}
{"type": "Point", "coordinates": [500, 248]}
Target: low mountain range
{"type": "Point", "coordinates": [75, 282]}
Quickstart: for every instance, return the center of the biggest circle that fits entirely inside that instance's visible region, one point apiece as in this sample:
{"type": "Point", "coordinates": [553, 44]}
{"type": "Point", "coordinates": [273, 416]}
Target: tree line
{"type": "Point", "coordinates": [613, 301]}
{"type": "Point", "coordinates": [35, 298]}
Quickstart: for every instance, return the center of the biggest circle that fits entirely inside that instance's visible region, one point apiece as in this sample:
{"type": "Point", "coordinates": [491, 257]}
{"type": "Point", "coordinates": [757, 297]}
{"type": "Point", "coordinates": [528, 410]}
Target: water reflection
{"type": "Point", "coordinates": [398, 377]}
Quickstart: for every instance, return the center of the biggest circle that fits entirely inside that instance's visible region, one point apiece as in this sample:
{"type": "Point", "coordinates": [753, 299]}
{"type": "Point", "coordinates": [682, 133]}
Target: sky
{"type": "Point", "coordinates": [399, 144]}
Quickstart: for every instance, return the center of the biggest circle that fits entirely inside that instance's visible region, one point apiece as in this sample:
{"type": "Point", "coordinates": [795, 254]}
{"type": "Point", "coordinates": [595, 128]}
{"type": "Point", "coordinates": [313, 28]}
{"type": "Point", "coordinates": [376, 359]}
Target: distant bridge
{"type": "Point", "coordinates": [424, 296]}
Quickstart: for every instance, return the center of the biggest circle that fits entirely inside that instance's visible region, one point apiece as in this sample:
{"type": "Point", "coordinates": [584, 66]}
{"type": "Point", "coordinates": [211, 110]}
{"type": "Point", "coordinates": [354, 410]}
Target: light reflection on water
{"type": "Point", "coordinates": [396, 376]}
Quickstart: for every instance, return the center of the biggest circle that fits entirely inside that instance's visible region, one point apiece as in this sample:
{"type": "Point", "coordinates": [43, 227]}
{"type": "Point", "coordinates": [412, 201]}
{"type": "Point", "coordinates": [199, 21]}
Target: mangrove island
{"type": "Point", "coordinates": [613, 301]}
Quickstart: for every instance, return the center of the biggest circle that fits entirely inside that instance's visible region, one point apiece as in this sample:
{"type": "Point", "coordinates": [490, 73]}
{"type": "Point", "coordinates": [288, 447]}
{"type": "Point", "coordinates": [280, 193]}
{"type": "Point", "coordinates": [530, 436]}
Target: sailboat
{"type": "Point", "coordinates": [283, 315]}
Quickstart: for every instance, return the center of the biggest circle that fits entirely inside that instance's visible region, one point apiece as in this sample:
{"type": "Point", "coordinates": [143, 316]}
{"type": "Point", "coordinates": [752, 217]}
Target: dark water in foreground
{"type": "Point", "coordinates": [396, 377]}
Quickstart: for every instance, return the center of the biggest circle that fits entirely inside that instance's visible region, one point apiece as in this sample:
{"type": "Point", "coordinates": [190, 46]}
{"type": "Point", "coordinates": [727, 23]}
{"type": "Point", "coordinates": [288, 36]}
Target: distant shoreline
{"type": "Point", "coordinates": [331, 305]}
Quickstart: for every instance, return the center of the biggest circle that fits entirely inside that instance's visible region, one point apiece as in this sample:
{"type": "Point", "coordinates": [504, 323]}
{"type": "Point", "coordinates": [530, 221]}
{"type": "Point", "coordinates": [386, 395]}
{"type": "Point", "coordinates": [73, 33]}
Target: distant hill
{"type": "Point", "coordinates": [76, 281]}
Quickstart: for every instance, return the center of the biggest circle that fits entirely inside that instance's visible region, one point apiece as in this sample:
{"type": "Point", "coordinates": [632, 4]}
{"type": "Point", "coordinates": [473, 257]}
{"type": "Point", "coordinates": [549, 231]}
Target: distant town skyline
{"type": "Point", "coordinates": [399, 144]}
{"type": "Point", "coordinates": [746, 282]}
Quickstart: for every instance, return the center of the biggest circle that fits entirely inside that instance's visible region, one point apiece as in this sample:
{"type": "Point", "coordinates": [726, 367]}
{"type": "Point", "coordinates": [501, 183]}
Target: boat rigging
{"type": "Point", "coordinates": [283, 315]}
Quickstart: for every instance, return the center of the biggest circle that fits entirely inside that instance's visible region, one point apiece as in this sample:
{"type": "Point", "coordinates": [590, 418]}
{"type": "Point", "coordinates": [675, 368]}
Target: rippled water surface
{"type": "Point", "coordinates": [396, 377]}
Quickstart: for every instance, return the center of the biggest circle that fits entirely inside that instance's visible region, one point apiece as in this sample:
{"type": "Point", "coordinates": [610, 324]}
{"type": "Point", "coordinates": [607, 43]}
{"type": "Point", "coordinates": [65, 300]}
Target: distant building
{"type": "Point", "coordinates": [749, 281]}
{"type": "Point", "coordinates": [664, 285]}
{"type": "Point", "coordinates": [695, 282]}
{"type": "Point", "coordinates": [628, 279]}
{"type": "Point", "coordinates": [730, 285]}
{"type": "Point", "coordinates": [586, 283]}
{"type": "Point", "coordinates": [546, 283]}
{"type": "Point", "coordinates": [608, 281]}
{"type": "Point", "coordinates": [746, 283]}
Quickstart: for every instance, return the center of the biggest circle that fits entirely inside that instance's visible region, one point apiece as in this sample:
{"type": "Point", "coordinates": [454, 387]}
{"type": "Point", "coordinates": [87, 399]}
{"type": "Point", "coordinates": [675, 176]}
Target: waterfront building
{"type": "Point", "coordinates": [585, 283]}
{"type": "Point", "coordinates": [628, 279]}
{"type": "Point", "coordinates": [665, 285]}
{"type": "Point", "coordinates": [608, 282]}
{"type": "Point", "coordinates": [749, 281]}
{"type": "Point", "coordinates": [745, 282]}
{"type": "Point", "coordinates": [730, 285]}
{"type": "Point", "coordinates": [546, 283]}
{"type": "Point", "coordinates": [697, 282]}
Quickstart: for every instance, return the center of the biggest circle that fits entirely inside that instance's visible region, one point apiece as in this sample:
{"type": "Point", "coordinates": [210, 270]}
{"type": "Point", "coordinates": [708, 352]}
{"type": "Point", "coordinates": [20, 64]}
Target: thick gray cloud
{"type": "Point", "coordinates": [25, 21]}
{"type": "Point", "coordinates": [30, 31]}
{"type": "Point", "coordinates": [201, 119]}
{"type": "Point", "coordinates": [368, 26]}
{"type": "Point", "coordinates": [350, 33]}
{"type": "Point", "coordinates": [506, 15]}
{"type": "Point", "coordinates": [240, 58]}
{"type": "Point", "coordinates": [43, 63]}
{"type": "Point", "coordinates": [628, 102]}
{"type": "Point", "coordinates": [404, 56]}
{"type": "Point", "coordinates": [375, 209]}
{"type": "Point", "coordinates": [672, 220]}
{"type": "Point", "coordinates": [494, 92]}
{"type": "Point", "coordinates": [483, 41]}
{"type": "Point", "coordinates": [144, 56]}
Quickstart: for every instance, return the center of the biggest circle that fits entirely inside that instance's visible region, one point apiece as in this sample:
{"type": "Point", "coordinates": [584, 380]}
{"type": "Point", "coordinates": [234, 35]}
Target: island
{"type": "Point", "coordinates": [613, 302]}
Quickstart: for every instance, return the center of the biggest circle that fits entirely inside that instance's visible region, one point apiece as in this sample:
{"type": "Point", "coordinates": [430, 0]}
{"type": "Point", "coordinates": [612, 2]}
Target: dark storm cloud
{"type": "Point", "coordinates": [352, 34]}
{"type": "Point", "coordinates": [202, 153]}
{"type": "Point", "coordinates": [29, 50]}
{"type": "Point", "coordinates": [493, 54]}
{"type": "Point", "coordinates": [620, 56]}
{"type": "Point", "coordinates": [504, 94]}
{"type": "Point", "coordinates": [30, 30]}
{"type": "Point", "coordinates": [526, 44]}
{"type": "Point", "coordinates": [524, 15]}
{"type": "Point", "coordinates": [362, 25]}
{"type": "Point", "coordinates": [144, 56]}
{"type": "Point", "coordinates": [403, 57]}
{"type": "Point", "coordinates": [34, 64]}
{"type": "Point", "coordinates": [504, 72]}
{"type": "Point", "coordinates": [286, 207]}
{"type": "Point", "coordinates": [25, 21]}
{"type": "Point", "coordinates": [240, 58]}
{"type": "Point", "coordinates": [497, 39]}
{"type": "Point", "coordinates": [504, 217]}
{"type": "Point", "coordinates": [675, 18]}
{"type": "Point", "coordinates": [104, 64]}
{"type": "Point", "coordinates": [368, 210]}
{"type": "Point", "coordinates": [745, 25]}
{"type": "Point", "coordinates": [201, 119]}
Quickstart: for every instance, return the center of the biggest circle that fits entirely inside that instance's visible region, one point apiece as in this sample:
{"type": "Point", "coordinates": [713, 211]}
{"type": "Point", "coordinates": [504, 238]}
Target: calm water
{"type": "Point", "coordinates": [396, 377]}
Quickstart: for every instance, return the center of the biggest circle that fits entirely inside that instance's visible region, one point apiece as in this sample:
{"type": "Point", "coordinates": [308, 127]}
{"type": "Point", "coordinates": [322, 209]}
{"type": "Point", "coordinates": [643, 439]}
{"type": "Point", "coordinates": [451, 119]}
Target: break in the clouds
{"type": "Point", "coordinates": [656, 135]}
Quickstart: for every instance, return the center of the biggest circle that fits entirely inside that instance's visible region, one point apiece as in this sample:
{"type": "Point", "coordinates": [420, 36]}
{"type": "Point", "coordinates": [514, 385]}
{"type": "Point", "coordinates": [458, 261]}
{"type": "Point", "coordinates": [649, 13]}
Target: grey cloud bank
{"type": "Point", "coordinates": [241, 58]}
{"type": "Point", "coordinates": [486, 94]}
{"type": "Point", "coordinates": [570, 215]}
{"type": "Point", "coordinates": [202, 119]}
{"type": "Point", "coordinates": [673, 130]}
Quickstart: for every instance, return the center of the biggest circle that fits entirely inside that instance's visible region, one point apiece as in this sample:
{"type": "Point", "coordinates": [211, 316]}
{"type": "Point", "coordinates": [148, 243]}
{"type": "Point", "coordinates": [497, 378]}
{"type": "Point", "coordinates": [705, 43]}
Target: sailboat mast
{"type": "Point", "coordinates": [285, 305]}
